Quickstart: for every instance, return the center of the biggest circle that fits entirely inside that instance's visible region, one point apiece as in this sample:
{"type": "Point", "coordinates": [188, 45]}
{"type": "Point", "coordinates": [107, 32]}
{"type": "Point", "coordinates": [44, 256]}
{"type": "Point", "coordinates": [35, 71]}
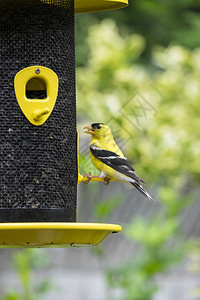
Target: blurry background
{"type": "Point", "coordinates": [138, 70]}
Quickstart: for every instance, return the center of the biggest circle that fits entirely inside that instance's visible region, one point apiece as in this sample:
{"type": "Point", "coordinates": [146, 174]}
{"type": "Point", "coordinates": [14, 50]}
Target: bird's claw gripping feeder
{"type": "Point", "coordinates": [39, 169]}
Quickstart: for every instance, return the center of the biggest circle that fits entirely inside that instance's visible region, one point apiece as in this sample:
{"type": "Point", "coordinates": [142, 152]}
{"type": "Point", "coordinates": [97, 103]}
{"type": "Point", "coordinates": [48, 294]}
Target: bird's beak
{"type": "Point", "coordinates": [90, 130]}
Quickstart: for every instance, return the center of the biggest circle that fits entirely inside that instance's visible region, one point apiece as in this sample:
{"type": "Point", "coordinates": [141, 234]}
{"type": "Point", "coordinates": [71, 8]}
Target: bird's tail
{"type": "Point", "coordinates": [140, 188]}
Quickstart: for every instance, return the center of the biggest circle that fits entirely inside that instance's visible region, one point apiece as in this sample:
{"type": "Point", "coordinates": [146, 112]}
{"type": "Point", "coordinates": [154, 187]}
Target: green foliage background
{"type": "Point", "coordinates": [146, 55]}
{"type": "Point", "coordinates": [167, 142]}
{"type": "Point", "coordinates": [159, 22]}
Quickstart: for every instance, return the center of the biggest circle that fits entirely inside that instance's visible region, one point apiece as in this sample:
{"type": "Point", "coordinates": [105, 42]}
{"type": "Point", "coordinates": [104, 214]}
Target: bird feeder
{"type": "Point", "coordinates": [39, 168]}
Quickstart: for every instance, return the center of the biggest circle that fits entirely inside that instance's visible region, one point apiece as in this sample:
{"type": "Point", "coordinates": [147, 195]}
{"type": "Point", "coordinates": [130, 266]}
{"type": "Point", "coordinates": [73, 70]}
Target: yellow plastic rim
{"type": "Point", "coordinates": [82, 6]}
{"type": "Point", "coordinates": [20, 235]}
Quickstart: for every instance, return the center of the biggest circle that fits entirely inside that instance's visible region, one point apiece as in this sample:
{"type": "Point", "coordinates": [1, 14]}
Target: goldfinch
{"type": "Point", "coordinates": [109, 159]}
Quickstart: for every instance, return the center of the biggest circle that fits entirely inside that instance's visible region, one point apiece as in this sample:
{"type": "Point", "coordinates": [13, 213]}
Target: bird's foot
{"type": "Point", "coordinates": [106, 181]}
{"type": "Point", "coordinates": [89, 177]}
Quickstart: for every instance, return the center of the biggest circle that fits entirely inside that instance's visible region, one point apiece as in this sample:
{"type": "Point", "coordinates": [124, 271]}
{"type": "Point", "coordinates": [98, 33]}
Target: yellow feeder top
{"type": "Point", "coordinates": [59, 234]}
{"type": "Point", "coordinates": [82, 6]}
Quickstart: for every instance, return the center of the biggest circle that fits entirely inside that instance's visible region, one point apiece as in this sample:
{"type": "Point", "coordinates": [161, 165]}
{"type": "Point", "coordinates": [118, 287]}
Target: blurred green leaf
{"type": "Point", "coordinates": [44, 287]}
{"type": "Point", "coordinates": [25, 262]}
{"type": "Point", "coordinates": [104, 209]}
{"type": "Point", "coordinates": [153, 233]}
{"type": "Point", "coordinates": [12, 295]}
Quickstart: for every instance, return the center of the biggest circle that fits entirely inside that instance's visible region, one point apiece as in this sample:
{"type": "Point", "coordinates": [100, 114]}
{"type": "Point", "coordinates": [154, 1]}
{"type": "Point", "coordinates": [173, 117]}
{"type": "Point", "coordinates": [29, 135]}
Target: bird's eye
{"type": "Point", "coordinates": [98, 127]}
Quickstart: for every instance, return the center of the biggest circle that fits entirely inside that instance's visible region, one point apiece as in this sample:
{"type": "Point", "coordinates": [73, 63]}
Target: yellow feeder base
{"type": "Point", "coordinates": [23, 235]}
{"type": "Point", "coordinates": [82, 6]}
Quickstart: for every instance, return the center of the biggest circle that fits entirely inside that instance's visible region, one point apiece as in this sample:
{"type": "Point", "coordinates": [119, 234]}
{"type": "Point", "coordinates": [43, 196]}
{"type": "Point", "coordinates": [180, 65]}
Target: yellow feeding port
{"type": "Point", "coordinates": [20, 235]}
{"type": "Point", "coordinates": [82, 6]}
{"type": "Point", "coordinates": [36, 90]}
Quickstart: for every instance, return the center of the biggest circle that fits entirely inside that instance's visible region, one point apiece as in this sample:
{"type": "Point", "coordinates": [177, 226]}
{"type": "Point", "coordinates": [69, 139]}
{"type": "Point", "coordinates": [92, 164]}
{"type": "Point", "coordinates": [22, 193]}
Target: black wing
{"type": "Point", "coordinates": [115, 161]}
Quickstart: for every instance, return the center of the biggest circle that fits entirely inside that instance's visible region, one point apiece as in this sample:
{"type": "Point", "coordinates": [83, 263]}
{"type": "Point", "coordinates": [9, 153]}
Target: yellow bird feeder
{"type": "Point", "coordinates": [39, 166]}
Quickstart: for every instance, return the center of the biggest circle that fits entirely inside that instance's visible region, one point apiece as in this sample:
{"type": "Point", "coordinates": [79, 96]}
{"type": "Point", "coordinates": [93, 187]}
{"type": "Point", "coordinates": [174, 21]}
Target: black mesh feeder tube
{"type": "Point", "coordinates": [38, 163]}
{"type": "Point", "coordinates": [38, 145]}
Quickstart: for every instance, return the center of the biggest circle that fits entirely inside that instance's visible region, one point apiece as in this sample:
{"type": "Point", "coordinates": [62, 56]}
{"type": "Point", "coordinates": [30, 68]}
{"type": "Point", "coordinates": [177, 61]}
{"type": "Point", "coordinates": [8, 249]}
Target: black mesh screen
{"type": "Point", "coordinates": [38, 164]}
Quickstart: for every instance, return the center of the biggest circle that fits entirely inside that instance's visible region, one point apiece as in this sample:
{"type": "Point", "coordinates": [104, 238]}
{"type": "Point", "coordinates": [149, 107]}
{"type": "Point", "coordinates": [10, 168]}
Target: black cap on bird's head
{"type": "Point", "coordinates": [91, 128]}
{"type": "Point", "coordinates": [96, 125]}
{"type": "Point", "coordinates": [99, 130]}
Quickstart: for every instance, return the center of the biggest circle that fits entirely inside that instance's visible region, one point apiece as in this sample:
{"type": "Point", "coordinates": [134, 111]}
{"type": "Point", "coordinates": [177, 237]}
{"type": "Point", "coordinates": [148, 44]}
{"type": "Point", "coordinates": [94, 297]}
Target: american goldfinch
{"type": "Point", "coordinates": [109, 159]}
